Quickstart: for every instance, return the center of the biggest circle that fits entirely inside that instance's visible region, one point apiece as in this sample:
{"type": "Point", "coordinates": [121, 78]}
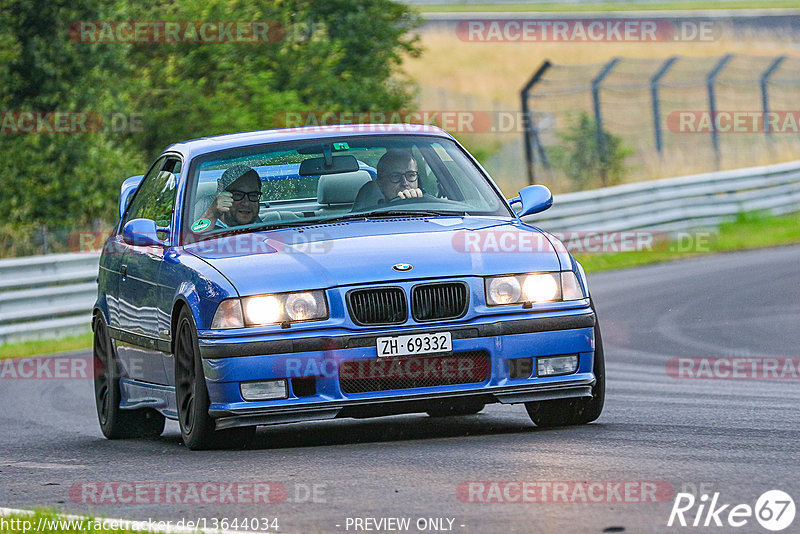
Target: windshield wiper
{"type": "Point", "coordinates": [420, 213]}
{"type": "Point", "coordinates": [257, 228]}
{"type": "Point", "coordinates": [388, 214]}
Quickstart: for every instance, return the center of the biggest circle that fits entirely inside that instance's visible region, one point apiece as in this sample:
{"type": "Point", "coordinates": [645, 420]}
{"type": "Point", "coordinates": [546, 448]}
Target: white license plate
{"type": "Point", "coordinates": [414, 344]}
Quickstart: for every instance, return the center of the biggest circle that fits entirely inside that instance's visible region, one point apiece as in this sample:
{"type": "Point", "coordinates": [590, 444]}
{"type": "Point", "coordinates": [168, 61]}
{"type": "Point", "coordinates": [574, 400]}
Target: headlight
{"type": "Point", "coordinates": [271, 309]}
{"type": "Point", "coordinates": [503, 290]}
{"type": "Point", "coordinates": [304, 306]}
{"type": "Point", "coordinates": [534, 287]}
{"type": "Point", "coordinates": [541, 288]}
{"type": "Point", "coordinates": [282, 307]}
{"type": "Point", "coordinates": [262, 310]}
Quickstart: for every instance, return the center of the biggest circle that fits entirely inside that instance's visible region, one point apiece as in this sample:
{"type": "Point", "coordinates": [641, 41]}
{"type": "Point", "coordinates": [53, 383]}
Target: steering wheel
{"type": "Point", "coordinates": [397, 201]}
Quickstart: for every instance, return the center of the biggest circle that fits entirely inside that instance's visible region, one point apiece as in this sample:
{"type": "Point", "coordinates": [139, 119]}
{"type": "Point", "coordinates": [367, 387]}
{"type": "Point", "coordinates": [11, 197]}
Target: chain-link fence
{"type": "Point", "coordinates": [632, 119]}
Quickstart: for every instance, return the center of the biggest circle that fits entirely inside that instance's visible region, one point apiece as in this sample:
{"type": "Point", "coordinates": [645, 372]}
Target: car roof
{"type": "Point", "coordinates": [204, 145]}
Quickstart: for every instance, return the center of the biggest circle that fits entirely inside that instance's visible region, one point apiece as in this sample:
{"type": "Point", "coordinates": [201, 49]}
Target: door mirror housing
{"type": "Point", "coordinates": [534, 199]}
{"type": "Point", "coordinates": [142, 233]}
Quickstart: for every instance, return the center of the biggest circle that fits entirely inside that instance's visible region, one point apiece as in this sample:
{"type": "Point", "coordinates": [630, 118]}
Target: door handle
{"type": "Point", "coordinates": [123, 270]}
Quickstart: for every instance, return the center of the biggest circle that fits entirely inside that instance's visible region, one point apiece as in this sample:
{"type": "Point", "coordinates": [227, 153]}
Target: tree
{"type": "Point", "coordinates": [581, 158]}
{"type": "Point", "coordinates": [56, 180]}
{"type": "Point", "coordinates": [333, 55]}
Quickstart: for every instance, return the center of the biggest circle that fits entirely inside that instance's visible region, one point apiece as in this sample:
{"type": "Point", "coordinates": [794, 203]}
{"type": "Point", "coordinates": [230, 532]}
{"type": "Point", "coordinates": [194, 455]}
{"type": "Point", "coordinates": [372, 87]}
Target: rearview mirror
{"type": "Point", "coordinates": [534, 199]}
{"type": "Point", "coordinates": [141, 233]}
{"type": "Point", "coordinates": [126, 192]}
{"type": "Point", "coordinates": [334, 165]}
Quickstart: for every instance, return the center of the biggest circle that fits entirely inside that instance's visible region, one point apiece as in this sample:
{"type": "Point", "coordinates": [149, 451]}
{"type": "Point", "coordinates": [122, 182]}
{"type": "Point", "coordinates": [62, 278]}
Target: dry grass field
{"type": "Point", "coordinates": [497, 71]}
{"type": "Point", "coordinates": [485, 76]}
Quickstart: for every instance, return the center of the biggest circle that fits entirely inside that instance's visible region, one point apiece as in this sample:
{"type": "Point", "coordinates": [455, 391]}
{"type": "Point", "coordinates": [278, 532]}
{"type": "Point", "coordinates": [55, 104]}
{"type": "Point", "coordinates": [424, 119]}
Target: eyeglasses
{"type": "Point", "coordinates": [252, 196]}
{"type": "Point", "coordinates": [397, 177]}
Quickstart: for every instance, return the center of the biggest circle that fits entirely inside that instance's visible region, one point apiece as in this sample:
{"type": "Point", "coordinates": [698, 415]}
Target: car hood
{"type": "Point", "coordinates": [357, 252]}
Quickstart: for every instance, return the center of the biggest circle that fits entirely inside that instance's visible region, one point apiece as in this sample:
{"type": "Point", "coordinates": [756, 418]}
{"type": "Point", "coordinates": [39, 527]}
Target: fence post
{"type": "Point", "coordinates": [654, 81]}
{"type": "Point", "coordinates": [712, 104]}
{"type": "Point", "coordinates": [531, 136]}
{"type": "Point", "coordinates": [598, 117]}
{"type": "Point", "coordinates": [765, 96]}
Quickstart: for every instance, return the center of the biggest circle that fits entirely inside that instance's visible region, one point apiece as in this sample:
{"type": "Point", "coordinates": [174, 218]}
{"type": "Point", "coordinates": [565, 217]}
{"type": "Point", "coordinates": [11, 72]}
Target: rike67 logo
{"type": "Point", "coordinates": [774, 510]}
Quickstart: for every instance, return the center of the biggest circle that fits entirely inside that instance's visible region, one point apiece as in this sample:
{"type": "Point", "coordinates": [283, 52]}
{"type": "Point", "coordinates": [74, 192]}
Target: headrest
{"type": "Point", "coordinates": [341, 188]}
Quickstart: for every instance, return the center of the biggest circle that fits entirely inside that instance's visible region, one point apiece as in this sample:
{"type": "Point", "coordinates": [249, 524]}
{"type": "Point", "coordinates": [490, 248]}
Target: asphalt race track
{"type": "Point", "coordinates": [736, 437]}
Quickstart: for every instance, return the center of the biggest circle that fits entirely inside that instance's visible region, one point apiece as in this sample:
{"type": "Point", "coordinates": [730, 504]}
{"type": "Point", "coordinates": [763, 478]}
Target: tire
{"type": "Point", "coordinates": [115, 422]}
{"type": "Point", "coordinates": [470, 408]}
{"type": "Point", "coordinates": [197, 427]}
{"type": "Point", "coordinates": [568, 412]}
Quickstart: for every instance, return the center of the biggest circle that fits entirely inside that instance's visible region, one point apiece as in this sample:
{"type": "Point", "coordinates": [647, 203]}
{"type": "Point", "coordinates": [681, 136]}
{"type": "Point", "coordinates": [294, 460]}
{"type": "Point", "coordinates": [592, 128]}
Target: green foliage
{"type": "Point", "coordinates": [582, 160]}
{"type": "Point", "coordinates": [335, 55]}
{"type": "Point", "coordinates": [55, 180]}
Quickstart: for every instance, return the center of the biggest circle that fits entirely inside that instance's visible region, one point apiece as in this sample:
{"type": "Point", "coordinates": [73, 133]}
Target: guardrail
{"type": "Point", "coordinates": [47, 296]}
{"type": "Point", "coordinates": [52, 295]}
{"type": "Point", "coordinates": [674, 204]}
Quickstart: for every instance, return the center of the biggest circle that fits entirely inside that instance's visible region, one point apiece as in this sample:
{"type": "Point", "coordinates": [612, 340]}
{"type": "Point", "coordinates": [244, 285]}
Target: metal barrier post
{"type": "Point", "coordinates": [712, 104]}
{"type": "Point", "coordinates": [598, 117]}
{"type": "Point", "coordinates": [530, 134]}
{"type": "Point", "coordinates": [765, 96]}
{"type": "Point", "coordinates": [654, 81]}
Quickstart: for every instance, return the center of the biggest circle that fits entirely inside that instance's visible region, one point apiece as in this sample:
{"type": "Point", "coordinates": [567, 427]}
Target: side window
{"type": "Point", "coordinates": [155, 198]}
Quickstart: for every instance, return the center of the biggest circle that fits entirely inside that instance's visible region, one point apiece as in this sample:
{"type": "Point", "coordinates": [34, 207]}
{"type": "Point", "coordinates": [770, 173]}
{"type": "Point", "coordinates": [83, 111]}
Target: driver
{"type": "Point", "coordinates": [236, 203]}
{"type": "Point", "coordinates": [397, 178]}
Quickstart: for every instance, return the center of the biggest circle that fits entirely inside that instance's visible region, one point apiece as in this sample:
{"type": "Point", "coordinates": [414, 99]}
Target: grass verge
{"type": "Point", "coordinates": [607, 6]}
{"type": "Point", "coordinates": [748, 231]}
{"type": "Point", "coordinates": [46, 346]}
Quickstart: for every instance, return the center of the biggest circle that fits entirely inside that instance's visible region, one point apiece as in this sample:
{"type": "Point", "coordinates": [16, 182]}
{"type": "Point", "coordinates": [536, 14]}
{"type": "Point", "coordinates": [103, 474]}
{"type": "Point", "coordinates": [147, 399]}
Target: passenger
{"type": "Point", "coordinates": [398, 178]}
{"type": "Point", "coordinates": [236, 203]}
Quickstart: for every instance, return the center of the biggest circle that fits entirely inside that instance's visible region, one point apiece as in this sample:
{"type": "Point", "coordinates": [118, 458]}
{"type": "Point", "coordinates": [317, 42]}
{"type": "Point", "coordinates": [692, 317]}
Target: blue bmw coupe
{"type": "Point", "coordinates": [345, 271]}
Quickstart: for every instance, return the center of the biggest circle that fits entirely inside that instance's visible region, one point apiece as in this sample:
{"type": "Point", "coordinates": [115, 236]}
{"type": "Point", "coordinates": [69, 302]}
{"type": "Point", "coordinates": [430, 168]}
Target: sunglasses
{"type": "Point", "coordinates": [252, 196]}
{"type": "Point", "coordinates": [397, 177]}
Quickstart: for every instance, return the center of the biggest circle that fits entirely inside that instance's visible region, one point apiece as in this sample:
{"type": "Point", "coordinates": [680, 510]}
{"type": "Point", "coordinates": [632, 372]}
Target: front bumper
{"type": "Point", "coordinates": [229, 361]}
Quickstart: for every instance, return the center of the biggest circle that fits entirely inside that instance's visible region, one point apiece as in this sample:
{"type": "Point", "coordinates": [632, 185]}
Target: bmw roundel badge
{"type": "Point", "coordinates": [402, 267]}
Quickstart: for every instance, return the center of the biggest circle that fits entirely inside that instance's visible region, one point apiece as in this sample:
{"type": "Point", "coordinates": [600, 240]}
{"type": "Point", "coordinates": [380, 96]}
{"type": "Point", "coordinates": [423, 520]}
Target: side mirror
{"type": "Point", "coordinates": [141, 233]}
{"type": "Point", "coordinates": [126, 192]}
{"type": "Point", "coordinates": [534, 199]}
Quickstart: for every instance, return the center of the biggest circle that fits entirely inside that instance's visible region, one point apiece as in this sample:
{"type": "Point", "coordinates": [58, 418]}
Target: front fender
{"type": "Point", "coordinates": [197, 285]}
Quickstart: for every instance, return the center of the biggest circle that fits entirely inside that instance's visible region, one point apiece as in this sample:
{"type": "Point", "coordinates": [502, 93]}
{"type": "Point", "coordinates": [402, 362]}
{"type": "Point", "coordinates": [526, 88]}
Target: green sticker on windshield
{"type": "Point", "coordinates": [200, 224]}
{"type": "Point", "coordinates": [341, 146]}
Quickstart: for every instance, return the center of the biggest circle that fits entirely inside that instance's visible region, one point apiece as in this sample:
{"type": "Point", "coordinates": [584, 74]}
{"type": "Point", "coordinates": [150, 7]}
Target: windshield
{"type": "Point", "coordinates": [297, 183]}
